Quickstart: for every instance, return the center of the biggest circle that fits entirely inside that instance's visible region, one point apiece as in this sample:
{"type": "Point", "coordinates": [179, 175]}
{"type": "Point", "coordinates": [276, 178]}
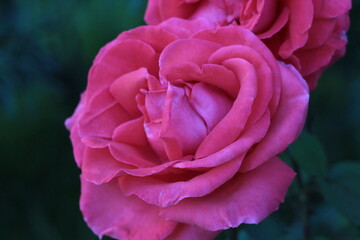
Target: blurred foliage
{"type": "Point", "coordinates": [46, 49]}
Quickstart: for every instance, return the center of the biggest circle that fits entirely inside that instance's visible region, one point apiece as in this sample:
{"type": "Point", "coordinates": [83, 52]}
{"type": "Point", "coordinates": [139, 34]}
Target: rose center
{"type": "Point", "coordinates": [179, 116]}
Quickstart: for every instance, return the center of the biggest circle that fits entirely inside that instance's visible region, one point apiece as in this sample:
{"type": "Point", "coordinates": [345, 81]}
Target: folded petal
{"type": "Point", "coordinates": [287, 122]}
{"type": "Point", "coordinates": [108, 212]}
{"type": "Point", "coordinates": [125, 88]}
{"type": "Point", "coordinates": [185, 231]}
{"type": "Point", "coordinates": [163, 193]}
{"type": "Point", "coordinates": [247, 198]}
{"type": "Point", "coordinates": [226, 132]}
{"type": "Point", "coordinates": [117, 58]}
{"type": "Point", "coordinates": [99, 166]}
{"type": "Point", "coordinates": [210, 103]}
{"type": "Point", "coordinates": [188, 50]}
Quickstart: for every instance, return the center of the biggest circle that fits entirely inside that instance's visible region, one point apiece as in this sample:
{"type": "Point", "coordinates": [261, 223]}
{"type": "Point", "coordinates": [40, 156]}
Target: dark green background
{"type": "Point", "coordinates": [46, 49]}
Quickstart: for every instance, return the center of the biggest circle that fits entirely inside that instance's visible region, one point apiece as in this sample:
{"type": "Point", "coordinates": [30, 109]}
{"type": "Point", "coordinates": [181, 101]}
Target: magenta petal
{"type": "Point", "coordinates": [300, 21]}
{"type": "Point", "coordinates": [213, 74]}
{"type": "Point", "coordinates": [152, 14]}
{"type": "Point", "coordinates": [158, 38]}
{"type": "Point", "coordinates": [117, 58]}
{"type": "Point", "coordinates": [163, 194]}
{"type": "Point", "coordinates": [210, 103]}
{"type": "Point", "coordinates": [187, 232]}
{"type": "Point", "coordinates": [126, 87]}
{"type": "Point", "coordinates": [226, 132]}
{"type": "Point", "coordinates": [182, 126]}
{"type": "Point", "coordinates": [247, 198]}
{"type": "Point", "coordinates": [78, 146]}
{"type": "Point", "coordinates": [131, 132]}
{"type": "Point", "coordinates": [187, 50]}
{"type": "Point", "coordinates": [281, 20]}
{"type": "Point", "coordinates": [251, 136]}
{"type": "Point", "coordinates": [174, 8]}
{"type": "Point", "coordinates": [287, 122]}
{"type": "Point", "coordinates": [139, 157]}
{"type": "Point", "coordinates": [100, 166]}
{"type": "Point", "coordinates": [73, 126]}
{"type": "Point", "coordinates": [331, 8]}
{"type": "Point", "coordinates": [186, 28]}
{"type": "Point", "coordinates": [108, 212]}
{"type": "Point", "coordinates": [102, 116]}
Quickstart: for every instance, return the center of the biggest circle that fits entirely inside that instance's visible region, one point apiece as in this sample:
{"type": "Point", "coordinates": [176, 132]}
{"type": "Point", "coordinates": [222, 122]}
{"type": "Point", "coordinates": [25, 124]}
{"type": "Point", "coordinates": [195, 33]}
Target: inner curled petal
{"type": "Point", "coordinates": [179, 118]}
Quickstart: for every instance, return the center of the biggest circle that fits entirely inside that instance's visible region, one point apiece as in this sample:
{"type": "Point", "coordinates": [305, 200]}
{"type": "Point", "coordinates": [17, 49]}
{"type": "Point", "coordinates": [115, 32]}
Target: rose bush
{"type": "Point", "coordinates": [310, 34]}
{"type": "Point", "coordinates": [178, 130]}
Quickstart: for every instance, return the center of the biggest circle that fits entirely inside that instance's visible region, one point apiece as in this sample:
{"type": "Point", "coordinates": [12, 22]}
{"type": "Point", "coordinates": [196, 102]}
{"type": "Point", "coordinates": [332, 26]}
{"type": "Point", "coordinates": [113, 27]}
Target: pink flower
{"type": "Point", "coordinates": [178, 130]}
{"type": "Point", "coordinates": [310, 34]}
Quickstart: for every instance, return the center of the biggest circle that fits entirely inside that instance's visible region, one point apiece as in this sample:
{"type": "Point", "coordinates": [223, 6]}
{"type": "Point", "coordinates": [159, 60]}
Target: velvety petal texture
{"type": "Point", "coordinates": [310, 34]}
{"type": "Point", "coordinates": [178, 129]}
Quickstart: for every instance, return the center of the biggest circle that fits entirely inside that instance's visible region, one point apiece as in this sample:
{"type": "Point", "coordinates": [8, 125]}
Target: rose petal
{"type": "Point", "coordinates": [156, 37]}
{"type": "Point", "coordinates": [125, 88]}
{"type": "Point", "coordinates": [226, 131]}
{"type": "Point", "coordinates": [300, 20]}
{"type": "Point", "coordinates": [132, 155]}
{"type": "Point", "coordinates": [163, 193]}
{"type": "Point", "coordinates": [263, 71]}
{"type": "Point", "coordinates": [280, 22]}
{"type": "Point", "coordinates": [185, 231]}
{"type": "Point", "coordinates": [131, 132]}
{"type": "Point", "coordinates": [252, 135]}
{"type": "Point", "coordinates": [210, 103]}
{"type": "Point", "coordinates": [182, 129]}
{"type": "Point", "coordinates": [331, 8]}
{"type": "Point", "coordinates": [287, 122]}
{"type": "Point", "coordinates": [73, 126]}
{"type": "Point", "coordinates": [247, 198]}
{"type": "Point", "coordinates": [187, 50]}
{"type": "Point", "coordinates": [152, 14]}
{"type": "Point", "coordinates": [108, 212]}
{"type": "Point", "coordinates": [99, 166]}
{"type": "Point", "coordinates": [319, 33]}
{"type": "Point", "coordinates": [119, 57]}
{"type": "Point", "coordinates": [214, 74]}
{"type": "Point", "coordinates": [186, 28]}
{"type": "Point", "coordinates": [102, 116]}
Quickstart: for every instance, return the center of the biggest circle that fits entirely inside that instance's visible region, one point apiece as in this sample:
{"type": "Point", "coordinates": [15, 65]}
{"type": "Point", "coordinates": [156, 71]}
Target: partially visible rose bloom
{"type": "Point", "coordinates": [310, 34]}
{"type": "Point", "coordinates": [178, 130]}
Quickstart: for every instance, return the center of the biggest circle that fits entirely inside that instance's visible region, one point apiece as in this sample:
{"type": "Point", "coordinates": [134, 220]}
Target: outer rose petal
{"type": "Point", "coordinates": [300, 20]}
{"type": "Point", "coordinates": [187, 232]}
{"type": "Point", "coordinates": [73, 126]}
{"type": "Point", "coordinates": [186, 28]}
{"type": "Point", "coordinates": [247, 198]}
{"type": "Point", "coordinates": [108, 212]}
{"type": "Point", "coordinates": [287, 122]}
{"type": "Point", "coordinates": [164, 193]}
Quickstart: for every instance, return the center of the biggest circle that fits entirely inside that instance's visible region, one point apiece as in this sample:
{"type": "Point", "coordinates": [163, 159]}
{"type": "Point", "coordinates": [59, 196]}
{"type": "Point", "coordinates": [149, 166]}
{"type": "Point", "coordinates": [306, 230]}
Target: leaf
{"type": "Point", "coordinates": [342, 189]}
{"type": "Point", "coordinates": [309, 154]}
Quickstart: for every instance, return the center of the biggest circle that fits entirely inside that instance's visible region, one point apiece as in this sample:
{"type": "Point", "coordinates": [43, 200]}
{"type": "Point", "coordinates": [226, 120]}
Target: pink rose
{"type": "Point", "coordinates": [178, 130]}
{"type": "Point", "coordinates": [310, 34]}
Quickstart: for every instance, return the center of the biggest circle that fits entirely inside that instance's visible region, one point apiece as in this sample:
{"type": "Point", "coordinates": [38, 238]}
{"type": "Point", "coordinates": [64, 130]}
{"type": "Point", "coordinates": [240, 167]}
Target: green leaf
{"type": "Point", "coordinates": [309, 154]}
{"type": "Point", "coordinates": [342, 189]}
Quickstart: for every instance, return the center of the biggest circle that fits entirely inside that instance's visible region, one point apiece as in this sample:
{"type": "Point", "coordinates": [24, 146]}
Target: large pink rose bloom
{"type": "Point", "coordinates": [310, 34]}
{"type": "Point", "coordinates": [178, 130]}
